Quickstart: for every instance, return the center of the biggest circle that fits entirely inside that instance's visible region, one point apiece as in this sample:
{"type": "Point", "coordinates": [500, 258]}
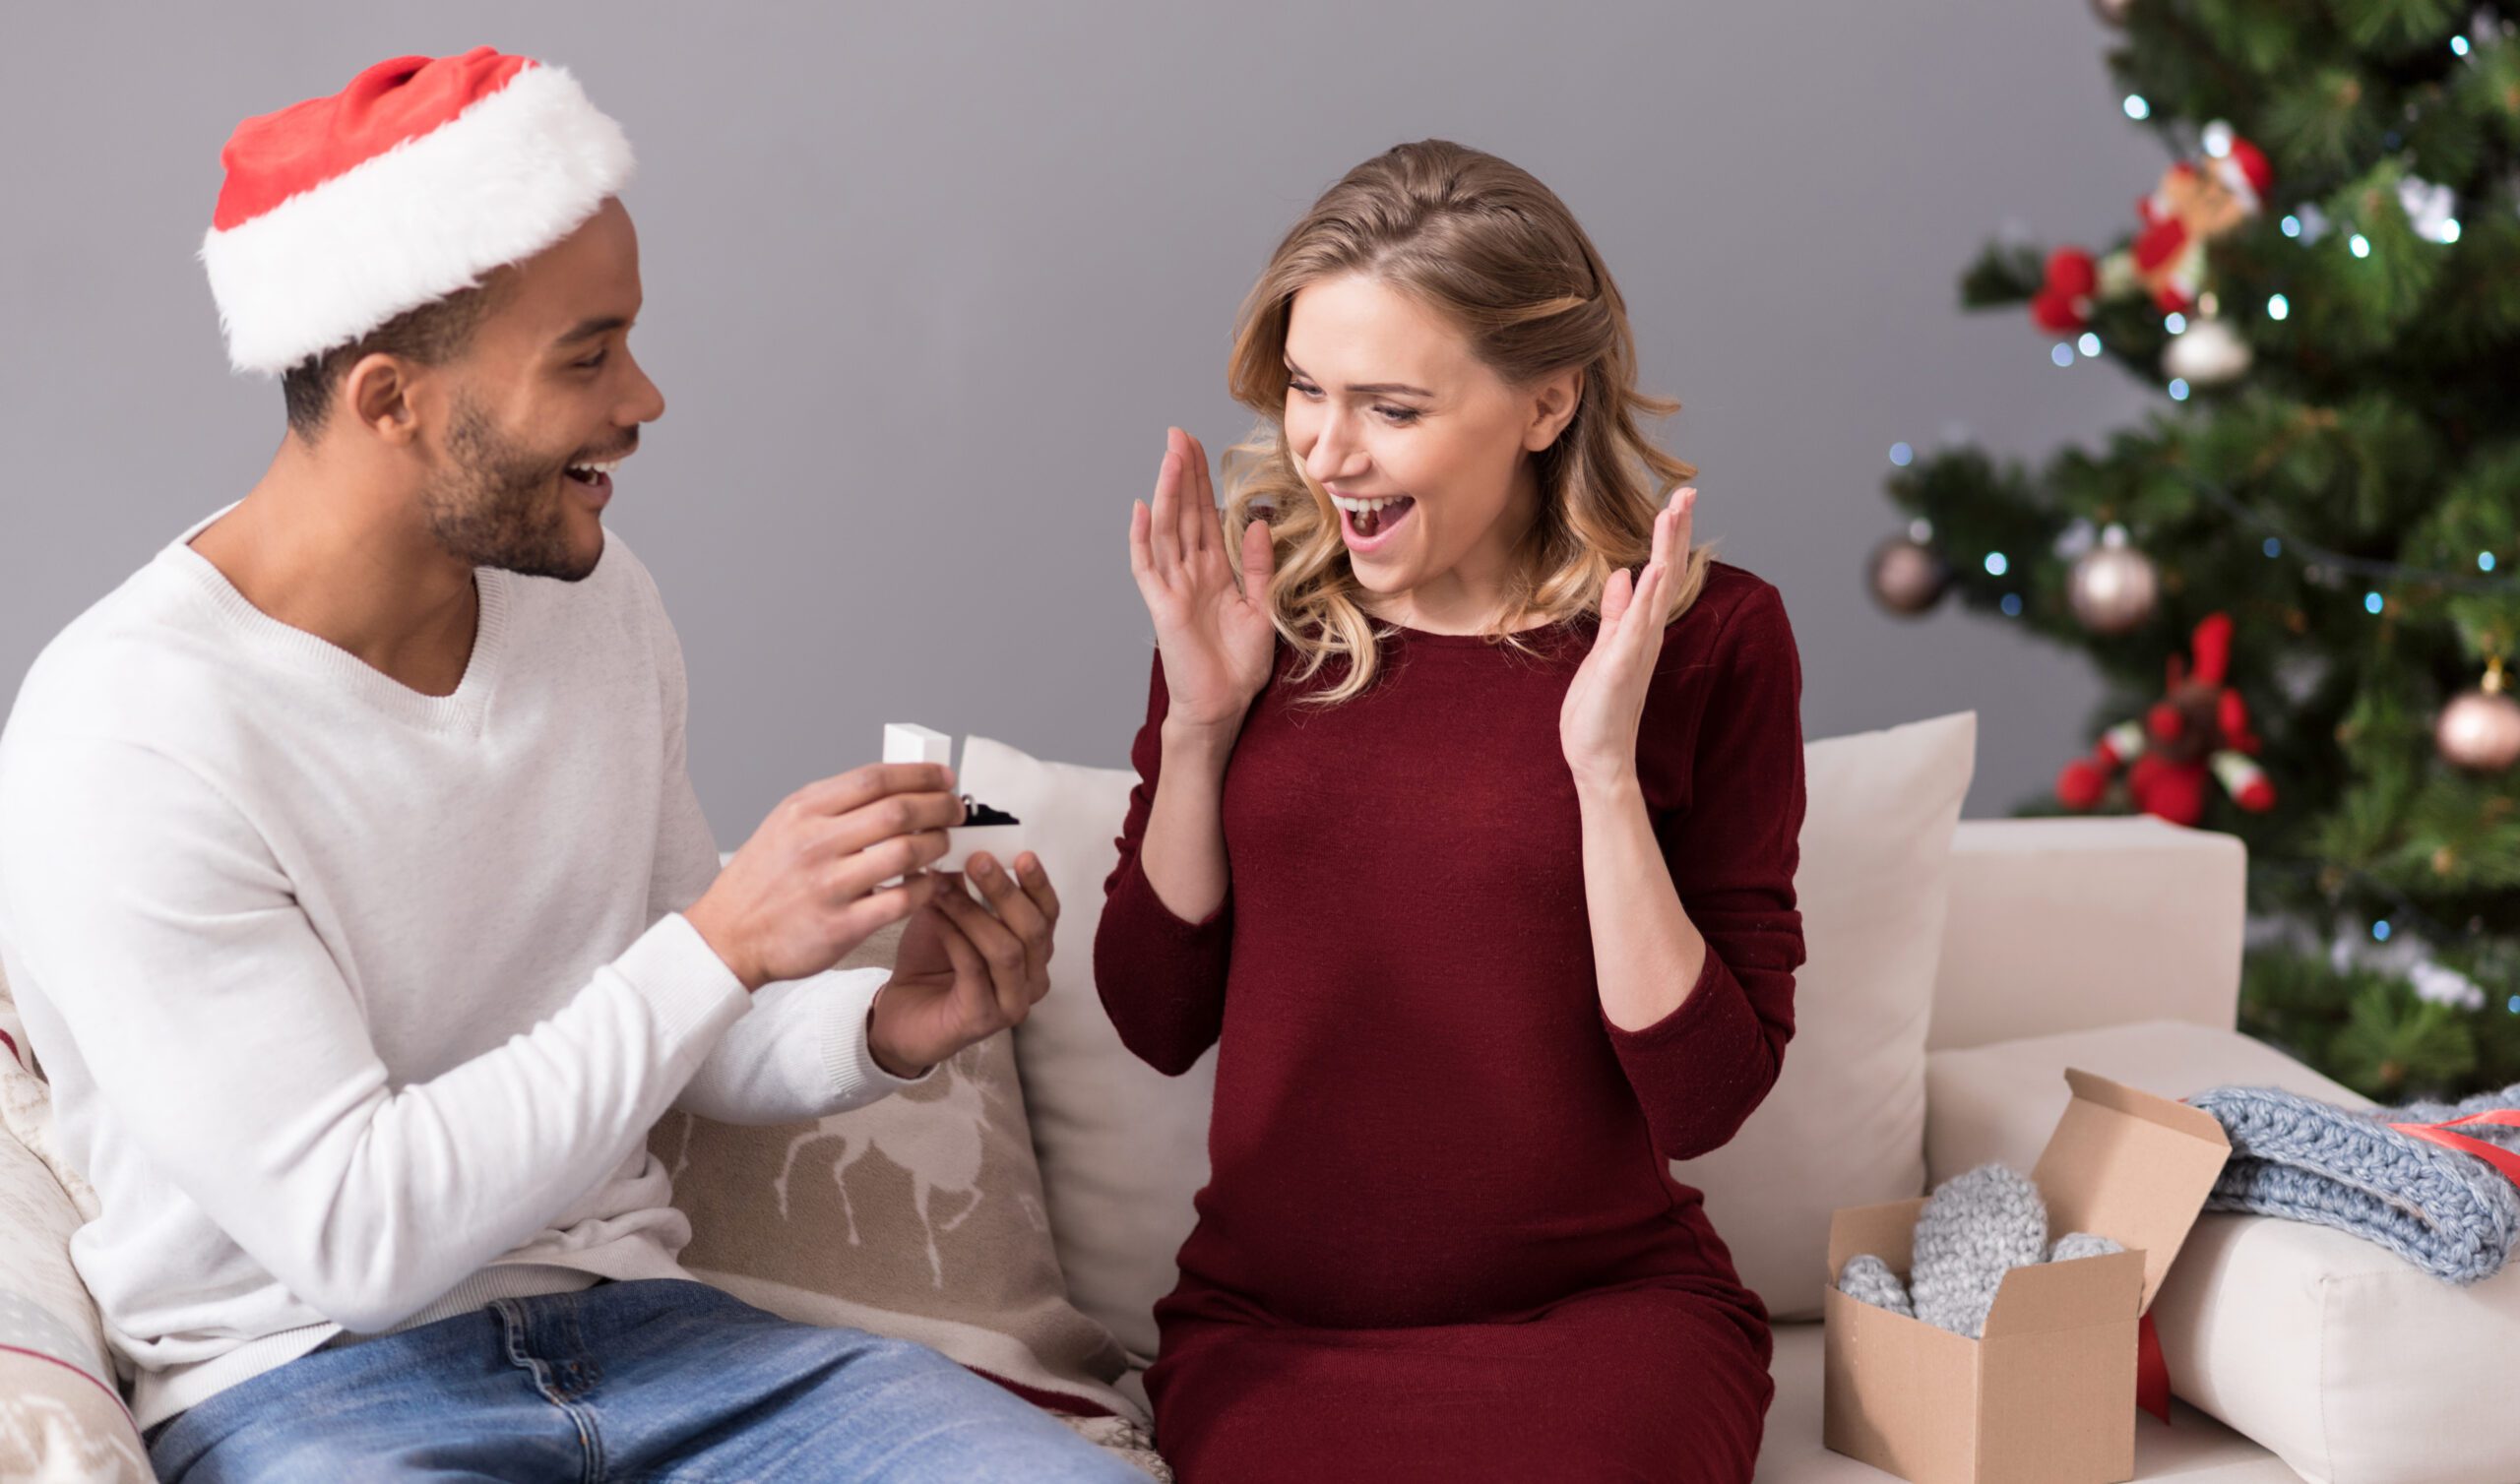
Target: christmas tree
{"type": "Point", "coordinates": [2300, 576]}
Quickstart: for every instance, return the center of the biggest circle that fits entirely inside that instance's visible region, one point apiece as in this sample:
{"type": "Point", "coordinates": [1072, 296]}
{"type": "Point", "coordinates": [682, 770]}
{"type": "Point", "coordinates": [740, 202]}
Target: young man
{"type": "Point", "coordinates": [362, 912]}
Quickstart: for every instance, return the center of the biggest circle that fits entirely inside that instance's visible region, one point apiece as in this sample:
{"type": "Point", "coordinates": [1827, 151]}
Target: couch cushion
{"type": "Point", "coordinates": [1845, 1124]}
{"type": "Point", "coordinates": [56, 1423]}
{"type": "Point", "coordinates": [918, 1217]}
{"type": "Point", "coordinates": [2332, 1352]}
{"type": "Point", "coordinates": [60, 1414]}
{"type": "Point", "coordinates": [2073, 924]}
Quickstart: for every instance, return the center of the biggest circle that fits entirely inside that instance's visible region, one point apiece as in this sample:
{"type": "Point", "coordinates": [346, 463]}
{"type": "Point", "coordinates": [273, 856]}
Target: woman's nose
{"type": "Point", "coordinates": [1334, 454]}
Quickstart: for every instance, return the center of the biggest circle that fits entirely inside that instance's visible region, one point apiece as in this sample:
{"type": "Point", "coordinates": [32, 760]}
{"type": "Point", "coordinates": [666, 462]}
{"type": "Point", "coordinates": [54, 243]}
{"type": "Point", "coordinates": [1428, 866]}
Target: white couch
{"type": "Point", "coordinates": [2114, 943]}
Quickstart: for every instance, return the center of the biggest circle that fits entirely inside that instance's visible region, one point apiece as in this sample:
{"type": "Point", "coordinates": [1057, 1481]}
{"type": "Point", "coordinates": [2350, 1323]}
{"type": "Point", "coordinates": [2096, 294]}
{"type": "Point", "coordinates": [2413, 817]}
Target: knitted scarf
{"type": "Point", "coordinates": [2450, 1214]}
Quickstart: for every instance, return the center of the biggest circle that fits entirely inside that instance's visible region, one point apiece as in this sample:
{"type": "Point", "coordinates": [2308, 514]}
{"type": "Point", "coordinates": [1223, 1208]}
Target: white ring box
{"type": "Point", "coordinates": [905, 742]}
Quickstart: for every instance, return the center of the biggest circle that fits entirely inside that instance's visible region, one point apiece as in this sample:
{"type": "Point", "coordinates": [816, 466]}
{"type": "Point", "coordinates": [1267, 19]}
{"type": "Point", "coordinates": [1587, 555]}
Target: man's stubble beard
{"type": "Point", "coordinates": [495, 506]}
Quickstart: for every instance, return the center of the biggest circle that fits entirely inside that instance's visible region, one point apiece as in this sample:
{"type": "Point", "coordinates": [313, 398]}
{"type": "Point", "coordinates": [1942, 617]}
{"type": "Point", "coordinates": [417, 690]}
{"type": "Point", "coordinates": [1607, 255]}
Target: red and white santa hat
{"type": "Point", "coordinates": [2243, 171]}
{"type": "Point", "coordinates": [340, 212]}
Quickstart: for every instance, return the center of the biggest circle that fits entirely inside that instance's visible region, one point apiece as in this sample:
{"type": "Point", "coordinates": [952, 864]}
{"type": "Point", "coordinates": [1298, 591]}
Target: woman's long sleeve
{"type": "Point", "coordinates": [1701, 1070]}
{"type": "Point", "coordinates": [1161, 979]}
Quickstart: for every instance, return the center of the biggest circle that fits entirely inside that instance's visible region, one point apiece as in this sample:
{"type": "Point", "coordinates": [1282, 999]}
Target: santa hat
{"type": "Point", "coordinates": [340, 212]}
{"type": "Point", "coordinates": [2243, 171]}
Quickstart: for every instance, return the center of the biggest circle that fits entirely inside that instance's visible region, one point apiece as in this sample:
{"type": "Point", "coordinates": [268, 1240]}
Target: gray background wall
{"type": "Point", "coordinates": [926, 282]}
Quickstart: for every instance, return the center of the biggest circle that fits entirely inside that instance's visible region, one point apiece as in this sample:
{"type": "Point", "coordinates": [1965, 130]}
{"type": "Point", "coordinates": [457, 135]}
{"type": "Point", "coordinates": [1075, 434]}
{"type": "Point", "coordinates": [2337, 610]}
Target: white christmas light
{"type": "Point", "coordinates": [2175, 322]}
{"type": "Point", "coordinates": [2372, 603]}
{"type": "Point", "coordinates": [2292, 226]}
{"type": "Point", "coordinates": [2458, 46]}
{"type": "Point", "coordinates": [2178, 389]}
{"type": "Point", "coordinates": [2218, 139]}
{"type": "Point", "coordinates": [2136, 107]}
{"type": "Point", "coordinates": [2062, 355]}
{"type": "Point", "coordinates": [2360, 245]}
{"type": "Point", "coordinates": [2450, 231]}
{"type": "Point", "coordinates": [2278, 307]}
{"type": "Point", "coordinates": [2089, 343]}
{"type": "Point", "coordinates": [1901, 454]}
{"type": "Point", "coordinates": [1997, 566]}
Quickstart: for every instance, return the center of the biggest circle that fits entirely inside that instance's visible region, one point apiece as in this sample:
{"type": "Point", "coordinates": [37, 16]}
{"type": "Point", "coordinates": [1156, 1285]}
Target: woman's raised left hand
{"type": "Point", "coordinates": [1597, 727]}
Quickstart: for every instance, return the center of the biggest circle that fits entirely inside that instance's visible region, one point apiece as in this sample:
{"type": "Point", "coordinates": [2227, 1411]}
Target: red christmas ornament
{"type": "Point", "coordinates": [2198, 731]}
{"type": "Point", "coordinates": [2063, 304]}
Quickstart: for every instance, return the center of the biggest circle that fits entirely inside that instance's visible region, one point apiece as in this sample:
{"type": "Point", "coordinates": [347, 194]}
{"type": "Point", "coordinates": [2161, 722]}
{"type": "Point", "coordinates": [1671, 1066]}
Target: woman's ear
{"type": "Point", "coordinates": [1553, 405]}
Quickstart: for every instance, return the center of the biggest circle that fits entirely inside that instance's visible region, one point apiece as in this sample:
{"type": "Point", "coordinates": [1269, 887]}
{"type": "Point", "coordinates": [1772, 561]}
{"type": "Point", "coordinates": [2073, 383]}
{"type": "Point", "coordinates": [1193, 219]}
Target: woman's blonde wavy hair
{"type": "Point", "coordinates": [1501, 257]}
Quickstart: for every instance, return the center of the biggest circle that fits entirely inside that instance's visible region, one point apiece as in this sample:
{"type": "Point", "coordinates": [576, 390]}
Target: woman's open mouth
{"type": "Point", "coordinates": [1367, 523]}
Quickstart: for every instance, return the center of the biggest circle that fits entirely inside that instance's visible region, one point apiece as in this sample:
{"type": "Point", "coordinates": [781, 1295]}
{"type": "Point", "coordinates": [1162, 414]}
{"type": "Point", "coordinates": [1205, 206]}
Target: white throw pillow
{"type": "Point", "coordinates": [1123, 1147]}
{"type": "Point", "coordinates": [1846, 1123]}
{"type": "Point", "coordinates": [2333, 1353]}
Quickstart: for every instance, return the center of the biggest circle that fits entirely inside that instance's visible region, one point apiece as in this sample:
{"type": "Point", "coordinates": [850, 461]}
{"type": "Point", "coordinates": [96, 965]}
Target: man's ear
{"type": "Point", "coordinates": [1553, 405]}
{"type": "Point", "coordinates": [377, 392]}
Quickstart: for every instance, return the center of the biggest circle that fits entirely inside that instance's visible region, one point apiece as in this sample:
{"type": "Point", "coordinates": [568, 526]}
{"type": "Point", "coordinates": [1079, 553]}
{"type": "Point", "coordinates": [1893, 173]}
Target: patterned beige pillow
{"type": "Point", "coordinates": [60, 1414]}
{"type": "Point", "coordinates": [919, 1216]}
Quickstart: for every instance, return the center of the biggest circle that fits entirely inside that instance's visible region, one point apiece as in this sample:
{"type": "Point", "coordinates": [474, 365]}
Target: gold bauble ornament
{"type": "Point", "coordinates": [2112, 586]}
{"type": "Point", "coordinates": [2480, 729]}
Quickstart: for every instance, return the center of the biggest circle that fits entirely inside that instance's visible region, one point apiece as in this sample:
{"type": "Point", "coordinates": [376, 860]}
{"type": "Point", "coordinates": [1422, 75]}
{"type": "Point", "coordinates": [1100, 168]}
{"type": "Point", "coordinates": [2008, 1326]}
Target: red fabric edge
{"type": "Point", "coordinates": [1048, 1401]}
{"type": "Point", "coordinates": [120, 1404]}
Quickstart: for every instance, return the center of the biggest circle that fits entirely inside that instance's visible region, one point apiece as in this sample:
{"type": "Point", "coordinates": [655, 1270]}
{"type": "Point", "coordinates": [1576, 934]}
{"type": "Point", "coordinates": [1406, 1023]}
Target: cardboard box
{"type": "Point", "coordinates": [2049, 1395]}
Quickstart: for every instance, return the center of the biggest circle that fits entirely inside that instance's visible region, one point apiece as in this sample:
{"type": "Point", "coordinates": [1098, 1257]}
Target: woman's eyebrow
{"type": "Point", "coordinates": [1379, 388]}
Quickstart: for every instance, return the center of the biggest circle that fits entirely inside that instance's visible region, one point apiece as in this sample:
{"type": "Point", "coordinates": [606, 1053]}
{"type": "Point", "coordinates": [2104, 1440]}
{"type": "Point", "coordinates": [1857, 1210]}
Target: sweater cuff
{"type": "Point", "coordinates": [682, 979]}
{"type": "Point", "coordinates": [1152, 918]}
{"type": "Point", "coordinates": [848, 1062]}
{"type": "Point", "coordinates": [1716, 995]}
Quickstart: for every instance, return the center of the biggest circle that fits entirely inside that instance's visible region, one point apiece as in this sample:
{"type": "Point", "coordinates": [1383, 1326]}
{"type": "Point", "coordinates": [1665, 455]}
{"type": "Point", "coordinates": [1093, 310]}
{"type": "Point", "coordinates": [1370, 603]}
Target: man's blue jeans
{"type": "Point", "coordinates": [653, 1380]}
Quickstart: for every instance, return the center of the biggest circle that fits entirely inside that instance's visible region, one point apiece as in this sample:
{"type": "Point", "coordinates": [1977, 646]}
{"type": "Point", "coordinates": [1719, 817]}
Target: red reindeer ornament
{"type": "Point", "coordinates": [2198, 730]}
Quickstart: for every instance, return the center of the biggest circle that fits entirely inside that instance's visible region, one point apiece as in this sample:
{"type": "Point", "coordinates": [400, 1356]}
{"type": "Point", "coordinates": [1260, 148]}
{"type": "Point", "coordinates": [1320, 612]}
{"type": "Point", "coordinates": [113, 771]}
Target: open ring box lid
{"type": "Point", "coordinates": [2049, 1395]}
{"type": "Point", "coordinates": [905, 742]}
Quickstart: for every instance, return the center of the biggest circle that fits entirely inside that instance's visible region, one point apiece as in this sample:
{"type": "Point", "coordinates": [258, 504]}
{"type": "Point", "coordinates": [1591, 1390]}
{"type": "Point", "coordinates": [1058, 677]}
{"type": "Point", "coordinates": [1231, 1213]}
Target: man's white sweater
{"type": "Point", "coordinates": [358, 1003]}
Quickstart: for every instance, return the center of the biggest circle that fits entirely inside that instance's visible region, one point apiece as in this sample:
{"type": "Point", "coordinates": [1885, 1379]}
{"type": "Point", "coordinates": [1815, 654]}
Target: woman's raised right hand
{"type": "Point", "coordinates": [1216, 636]}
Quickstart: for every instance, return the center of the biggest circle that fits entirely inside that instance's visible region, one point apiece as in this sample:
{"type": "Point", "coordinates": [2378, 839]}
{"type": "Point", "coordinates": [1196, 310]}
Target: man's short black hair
{"type": "Point", "coordinates": [431, 334]}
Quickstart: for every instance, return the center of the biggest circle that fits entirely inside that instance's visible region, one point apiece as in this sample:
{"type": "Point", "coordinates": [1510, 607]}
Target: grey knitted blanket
{"type": "Point", "coordinates": [2450, 1214]}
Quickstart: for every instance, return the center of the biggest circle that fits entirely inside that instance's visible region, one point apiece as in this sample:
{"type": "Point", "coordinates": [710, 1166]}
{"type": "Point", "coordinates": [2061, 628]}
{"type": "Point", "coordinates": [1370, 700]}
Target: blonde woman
{"type": "Point", "coordinates": [1471, 847]}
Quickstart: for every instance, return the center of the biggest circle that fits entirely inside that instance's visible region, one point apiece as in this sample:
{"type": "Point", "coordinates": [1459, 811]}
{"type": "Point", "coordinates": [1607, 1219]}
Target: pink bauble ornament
{"type": "Point", "coordinates": [2480, 729]}
{"type": "Point", "coordinates": [2112, 586]}
{"type": "Point", "coordinates": [1907, 578]}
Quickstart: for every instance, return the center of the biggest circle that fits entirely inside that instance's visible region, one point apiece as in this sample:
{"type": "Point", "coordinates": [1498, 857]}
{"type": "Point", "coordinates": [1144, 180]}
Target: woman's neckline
{"type": "Point", "coordinates": [1466, 640]}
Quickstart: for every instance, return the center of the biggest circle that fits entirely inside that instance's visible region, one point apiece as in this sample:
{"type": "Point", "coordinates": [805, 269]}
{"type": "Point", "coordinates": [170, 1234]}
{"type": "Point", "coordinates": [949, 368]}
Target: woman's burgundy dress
{"type": "Point", "coordinates": [1439, 1240]}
